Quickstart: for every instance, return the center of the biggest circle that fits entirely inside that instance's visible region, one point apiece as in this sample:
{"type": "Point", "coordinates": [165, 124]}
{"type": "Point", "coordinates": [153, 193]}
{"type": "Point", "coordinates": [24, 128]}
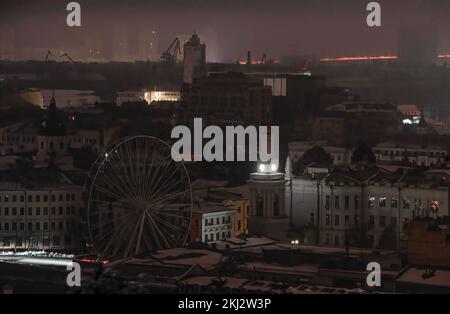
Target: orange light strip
{"type": "Point", "coordinates": [360, 58]}
{"type": "Point", "coordinates": [368, 58]}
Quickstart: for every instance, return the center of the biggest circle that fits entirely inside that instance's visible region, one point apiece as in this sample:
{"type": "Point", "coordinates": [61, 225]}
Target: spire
{"type": "Point", "coordinates": [288, 169]}
{"type": "Point", "coordinates": [51, 124]}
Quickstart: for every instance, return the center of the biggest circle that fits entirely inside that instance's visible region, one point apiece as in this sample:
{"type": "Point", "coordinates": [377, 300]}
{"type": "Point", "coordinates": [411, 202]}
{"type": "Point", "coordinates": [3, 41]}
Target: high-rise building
{"type": "Point", "coordinates": [7, 43]}
{"type": "Point", "coordinates": [194, 58]}
{"type": "Point", "coordinates": [418, 44]}
{"type": "Point", "coordinates": [148, 45]}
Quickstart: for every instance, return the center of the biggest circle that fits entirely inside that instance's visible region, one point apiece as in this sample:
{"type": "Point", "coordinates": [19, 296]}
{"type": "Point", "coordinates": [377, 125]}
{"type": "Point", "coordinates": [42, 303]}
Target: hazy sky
{"type": "Point", "coordinates": [277, 27]}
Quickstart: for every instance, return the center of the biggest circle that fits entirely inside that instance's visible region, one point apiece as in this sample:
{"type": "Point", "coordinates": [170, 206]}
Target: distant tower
{"type": "Point", "coordinates": [267, 204]}
{"type": "Point", "coordinates": [52, 139]}
{"type": "Point", "coordinates": [194, 58]}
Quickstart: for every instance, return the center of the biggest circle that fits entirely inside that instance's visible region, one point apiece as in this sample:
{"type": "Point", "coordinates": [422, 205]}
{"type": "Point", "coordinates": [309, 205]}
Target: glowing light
{"type": "Point", "coordinates": [274, 167]}
{"type": "Point", "coordinates": [262, 167]}
{"type": "Point", "coordinates": [359, 58]}
{"type": "Point", "coordinates": [369, 58]}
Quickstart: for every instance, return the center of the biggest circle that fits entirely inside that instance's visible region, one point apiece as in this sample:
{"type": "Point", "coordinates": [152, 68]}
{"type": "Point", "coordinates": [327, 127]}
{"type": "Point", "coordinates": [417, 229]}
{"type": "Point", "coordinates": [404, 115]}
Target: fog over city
{"type": "Point", "coordinates": [277, 28]}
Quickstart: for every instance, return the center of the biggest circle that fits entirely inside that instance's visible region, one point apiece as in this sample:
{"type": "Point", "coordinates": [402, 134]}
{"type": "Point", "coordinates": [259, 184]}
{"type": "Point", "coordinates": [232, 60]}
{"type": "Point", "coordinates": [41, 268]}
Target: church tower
{"type": "Point", "coordinates": [52, 139]}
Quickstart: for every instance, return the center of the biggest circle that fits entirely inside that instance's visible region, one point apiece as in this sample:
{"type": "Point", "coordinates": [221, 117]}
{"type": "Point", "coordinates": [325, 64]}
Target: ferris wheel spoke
{"type": "Point", "coordinates": [131, 162]}
{"type": "Point", "coordinates": [110, 192]}
{"type": "Point", "coordinates": [163, 202]}
{"type": "Point", "coordinates": [168, 224]}
{"type": "Point", "coordinates": [116, 182]}
{"type": "Point", "coordinates": [156, 231]}
{"type": "Point", "coordinates": [153, 183]}
{"type": "Point", "coordinates": [131, 241]}
{"type": "Point", "coordinates": [109, 229]}
{"type": "Point", "coordinates": [121, 165]}
{"type": "Point", "coordinates": [164, 187]}
{"type": "Point", "coordinates": [121, 174]}
{"type": "Point", "coordinates": [116, 179]}
{"type": "Point", "coordinates": [115, 239]}
{"type": "Point", "coordinates": [140, 239]}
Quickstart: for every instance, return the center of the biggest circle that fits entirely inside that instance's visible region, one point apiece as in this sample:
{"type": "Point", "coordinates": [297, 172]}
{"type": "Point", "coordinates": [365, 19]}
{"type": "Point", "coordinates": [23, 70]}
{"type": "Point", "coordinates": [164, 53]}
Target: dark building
{"type": "Point", "coordinates": [227, 97]}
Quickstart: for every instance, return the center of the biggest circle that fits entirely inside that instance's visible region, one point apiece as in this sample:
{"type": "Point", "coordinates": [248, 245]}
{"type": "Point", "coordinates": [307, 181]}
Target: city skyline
{"type": "Point", "coordinates": [306, 28]}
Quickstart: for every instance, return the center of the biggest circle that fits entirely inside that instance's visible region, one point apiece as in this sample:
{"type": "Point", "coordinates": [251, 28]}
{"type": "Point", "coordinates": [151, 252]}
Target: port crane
{"type": "Point", "coordinates": [171, 54]}
{"type": "Point", "coordinates": [49, 54]}
{"type": "Point", "coordinates": [67, 56]}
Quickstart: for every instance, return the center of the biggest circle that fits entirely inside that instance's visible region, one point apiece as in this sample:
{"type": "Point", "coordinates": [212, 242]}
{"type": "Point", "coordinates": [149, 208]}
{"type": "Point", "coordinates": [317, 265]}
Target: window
{"type": "Point", "coordinates": [14, 198]}
{"type": "Point", "coordinates": [382, 202]}
{"type": "Point", "coordinates": [382, 222]}
{"type": "Point", "coordinates": [371, 202]}
{"type": "Point", "coordinates": [30, 211]}
{"type": "Point", "coordinates": [14, 211]}
{"type": "Point", "coordinates": [336, 202]}
{"type": "Point", "coordinates": [37, 198]}
{"type": "Point", "coordinates": [336, 240]}
{"type": "Point", "coordinates": [327, 220]}
{"type": "Point", "coordinates": [356, 202]}
{"type": "Point", "coordinates": [371, 222]}
{"type": "Point", "coordinates": [38, 211]}
{"type": "Point", "coordinates": [394, 202]}
{"type": "Point", "coordinates": [45, 198]}
{"type": "Point", "coordinates": [45, 211]}
{"type": "Point", "coordinates": [356, 220]}
{"type": "Point", "coordinates": [61, 210]}
{"type": "Point", "coordinates": [347, 202]}
{"type": "Point", "coordinates": [336, 220]}
{"type": "Point", "coordinates": [405, 203]}
{"type": "Point", "coordinates": [347, 220]}
{"type": "Point", "coordinates": [327, 202]}
{"type": "Point", "coordinates": [38, 226]}
{"type": "Point", "coordinates": [394, 221]}
{"type": "Point", "coordinates": [22, 211]}
{"type": "Point", "coordinates": [6, 211]}
{"type": "Point", "coordinates": [53, 210]}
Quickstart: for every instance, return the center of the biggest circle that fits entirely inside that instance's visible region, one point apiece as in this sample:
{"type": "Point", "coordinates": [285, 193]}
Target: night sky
{"type": "Point", "coordinates": [276, 27]}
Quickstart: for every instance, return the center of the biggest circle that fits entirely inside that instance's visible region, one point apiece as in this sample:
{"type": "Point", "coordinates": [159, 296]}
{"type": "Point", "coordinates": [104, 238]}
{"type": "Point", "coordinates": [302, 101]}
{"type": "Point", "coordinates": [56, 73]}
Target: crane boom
{"type": "Point", "coordinates": [172, 52]}
{"type": "Point", "coordinates": [67, 56]}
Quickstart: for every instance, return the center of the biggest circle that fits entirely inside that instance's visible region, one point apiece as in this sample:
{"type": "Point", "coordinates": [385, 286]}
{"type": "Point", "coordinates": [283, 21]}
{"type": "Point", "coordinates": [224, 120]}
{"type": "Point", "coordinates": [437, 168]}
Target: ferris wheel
{"type": "Point", "coordinates": [140, 199]}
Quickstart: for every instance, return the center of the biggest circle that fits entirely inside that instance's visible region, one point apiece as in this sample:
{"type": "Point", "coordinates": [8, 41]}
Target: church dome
{"type": "Point", "coordinates": [363, 154]}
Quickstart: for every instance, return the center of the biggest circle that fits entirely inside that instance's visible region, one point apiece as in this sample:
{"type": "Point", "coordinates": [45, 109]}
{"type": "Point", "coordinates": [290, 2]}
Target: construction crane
{"type": "Point", "coordinates": [67, 56]}
{"type": "Point", "coordinates": [49, 53]}
{"type": "Point", "coordinates": [171, 54]}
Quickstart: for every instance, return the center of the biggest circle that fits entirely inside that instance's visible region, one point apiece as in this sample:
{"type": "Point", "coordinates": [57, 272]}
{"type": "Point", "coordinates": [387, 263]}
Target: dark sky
{"type": "Point", "coordinates": [277, 27]}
